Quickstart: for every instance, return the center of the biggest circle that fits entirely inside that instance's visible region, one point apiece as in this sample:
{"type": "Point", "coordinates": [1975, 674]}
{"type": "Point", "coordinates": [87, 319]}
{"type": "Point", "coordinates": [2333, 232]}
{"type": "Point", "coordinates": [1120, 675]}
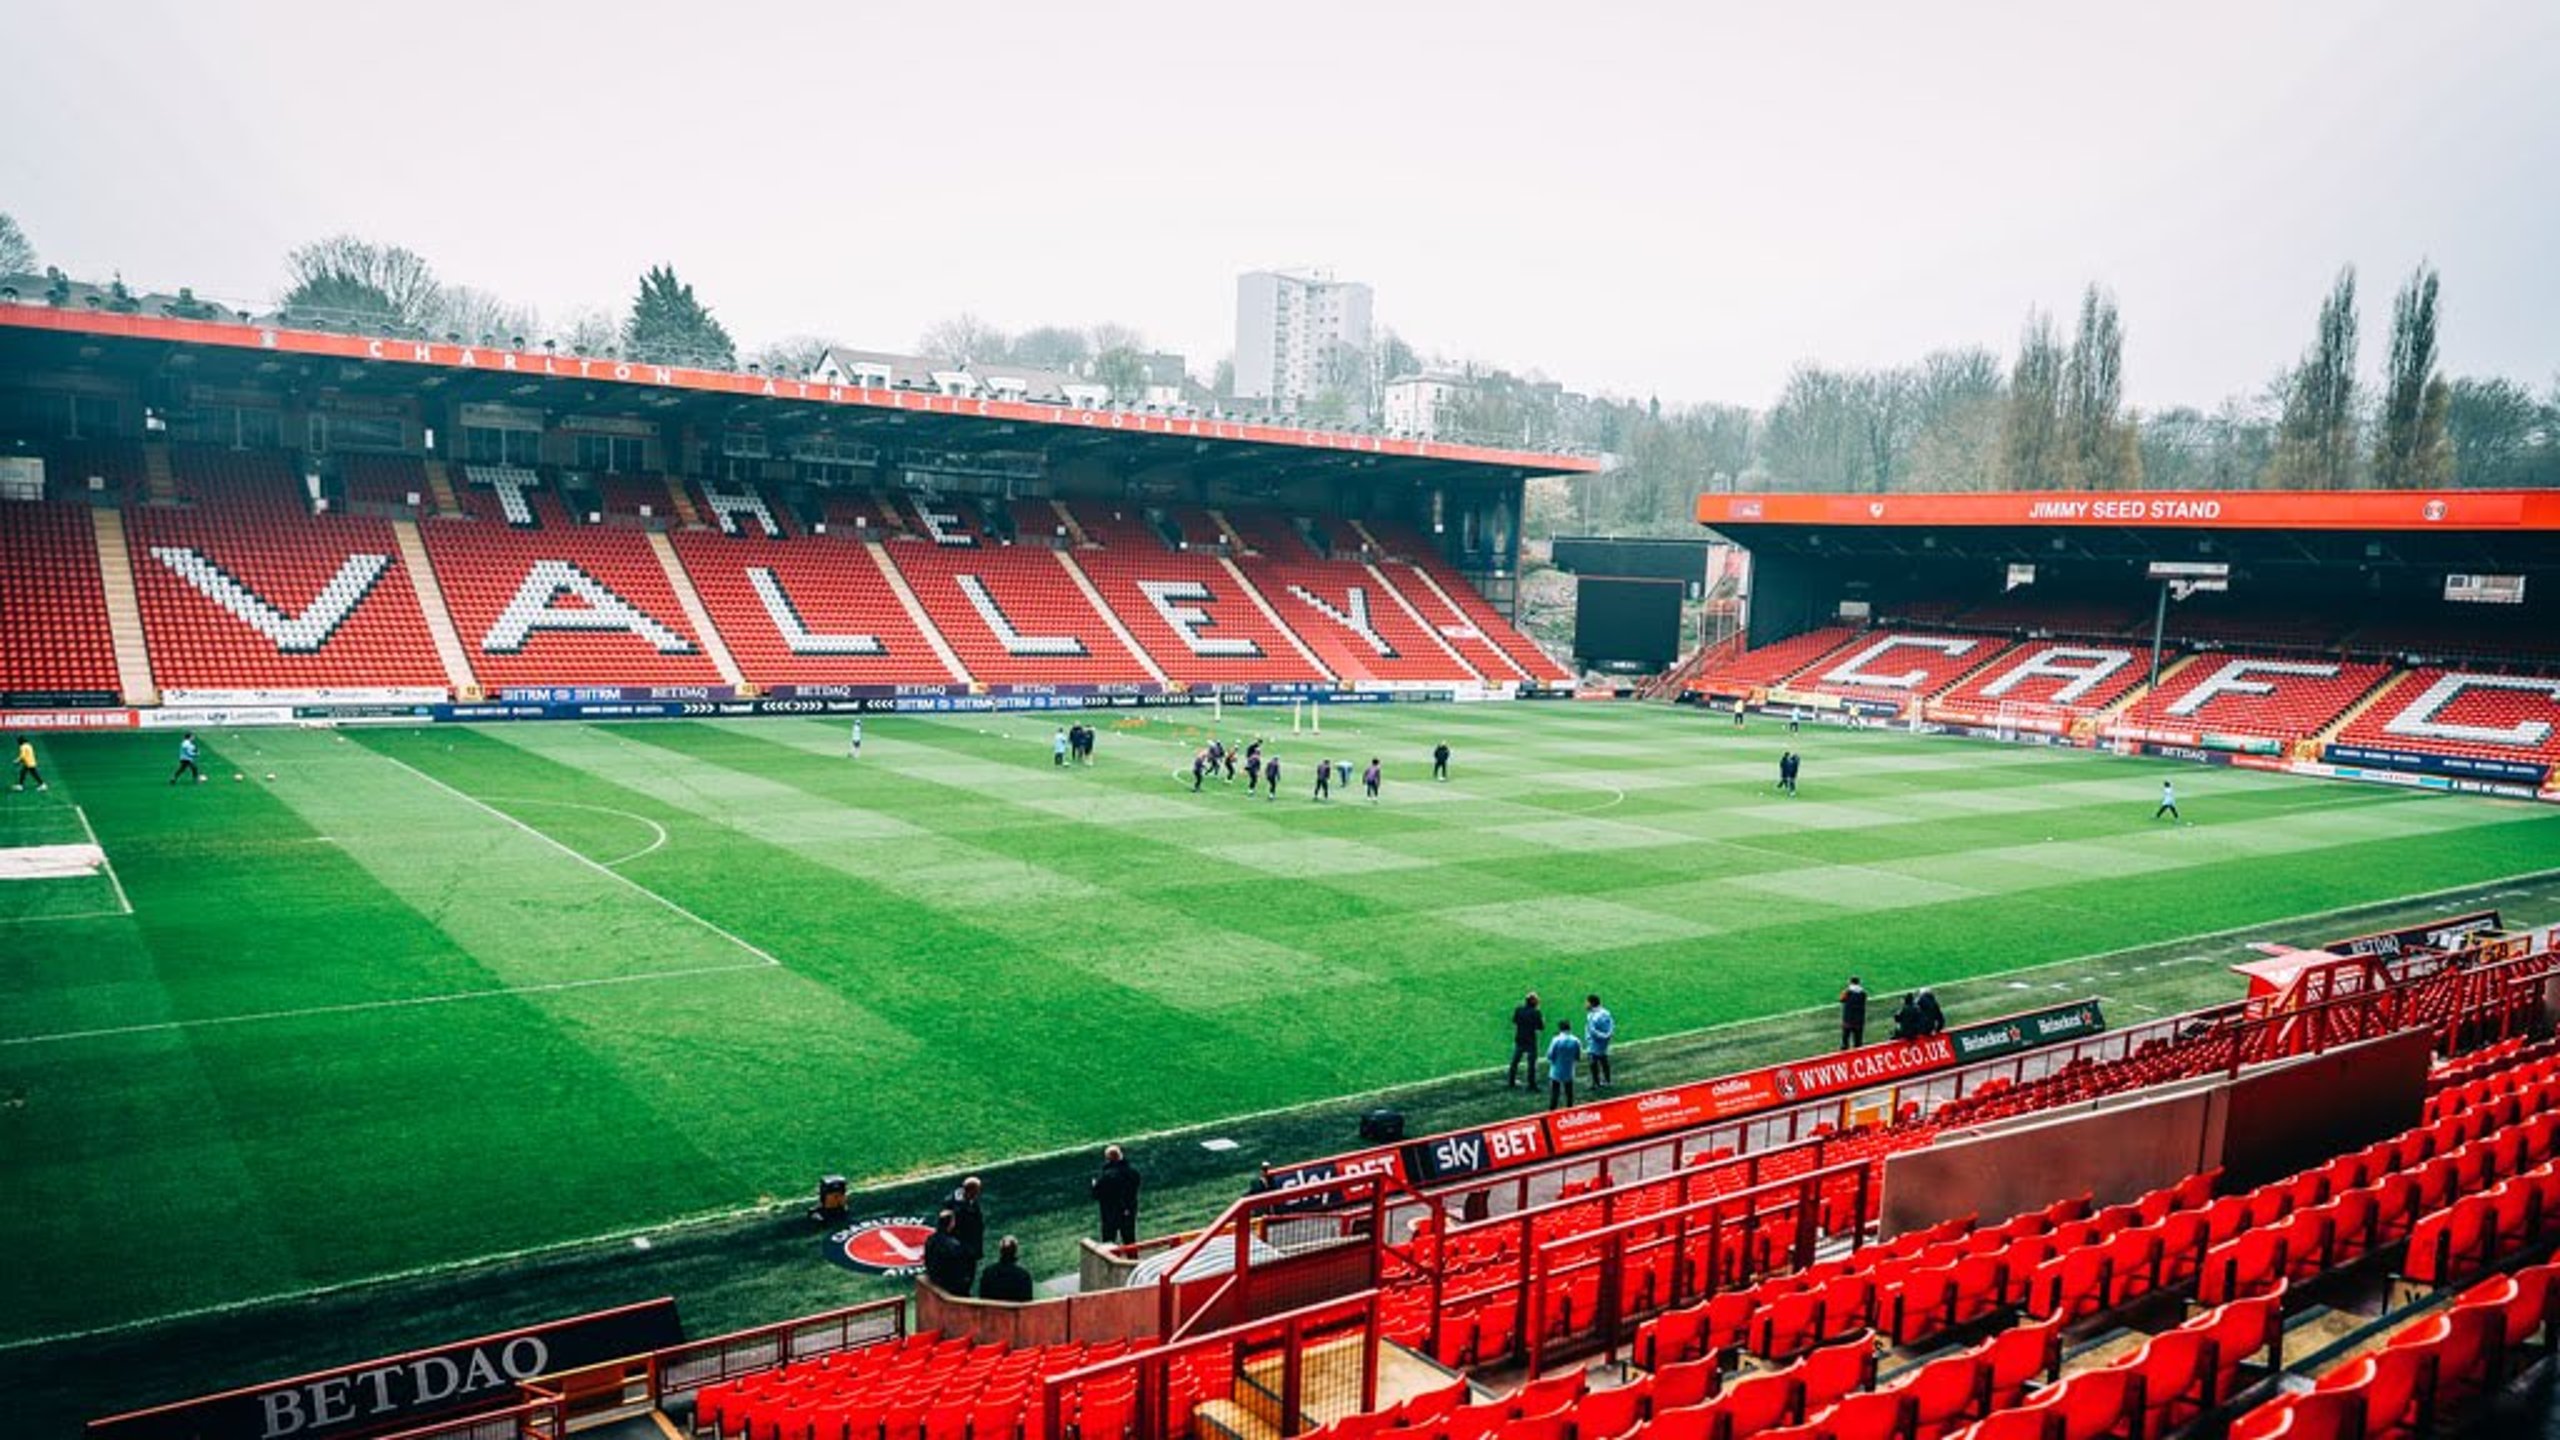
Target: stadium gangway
{"type": "Point", "coordinates": [1737, 1231]}
{"type": "Point", "coordinates": [1326, 1241]}
{"type": "Point", "coordinates": [1295, 1360]}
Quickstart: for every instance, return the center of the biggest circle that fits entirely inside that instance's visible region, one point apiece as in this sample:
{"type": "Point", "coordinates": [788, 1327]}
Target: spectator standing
{"type": "Point", "coordinates": [1006, 1279]}
{"type": "Point", "coordinates": [969, 1222]}
{"type": "Point", "coordinates": [1564, 1056]}
{"type": "Point", "coordinates": [1440, 761]}
{"type": "Point", "coordinates": [947, 1262]}
{"type": "Point", "coordinates": [1528, 1025]}
{"type": "Point", "coordinates": [1908, 1023]}
{"type": "Point", "coordinates": [1853, 1015]}
{"type": "Point", "coordinates": [1599, 1027]}
{"type": "Point", "coordinates": [1932, 1019]}
{"type": "Point", "coordinates": [1115, 1195]}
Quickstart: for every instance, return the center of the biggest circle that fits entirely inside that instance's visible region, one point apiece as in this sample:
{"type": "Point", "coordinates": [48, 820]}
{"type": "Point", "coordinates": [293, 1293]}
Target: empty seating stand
{"type": "Point", "coordinates": [2279, 698]}
{"type": "Point", "coordinates": [243, 587]}
{"type": "Point", "coordinates": [555, 603]}
{"type": "Point", "coordinates": [53, 607]}
{"type": "Point", "coordinates": [1013, 615]}
{"type": "Point", "coordinates": [799, 609]}
{"type": "Point", "coordinates": [2469, 714]}
{"type": "Point", "coordinates": [1774, 663]}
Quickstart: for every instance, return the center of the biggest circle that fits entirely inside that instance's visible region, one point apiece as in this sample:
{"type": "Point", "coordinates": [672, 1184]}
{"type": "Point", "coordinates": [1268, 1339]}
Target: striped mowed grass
{"type": "Point", "coordinates": [443, 993]}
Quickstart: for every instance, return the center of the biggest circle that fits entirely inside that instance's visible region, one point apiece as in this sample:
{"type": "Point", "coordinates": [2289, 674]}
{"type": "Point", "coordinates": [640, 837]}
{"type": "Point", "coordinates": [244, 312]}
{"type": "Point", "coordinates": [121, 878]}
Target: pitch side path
{"type": "Point", "coordinates": [418, 1037]}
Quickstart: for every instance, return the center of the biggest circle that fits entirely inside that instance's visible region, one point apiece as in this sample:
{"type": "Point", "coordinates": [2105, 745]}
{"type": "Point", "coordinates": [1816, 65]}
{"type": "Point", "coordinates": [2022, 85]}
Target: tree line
{"type": "Point", "coordinates": [2053, 417]}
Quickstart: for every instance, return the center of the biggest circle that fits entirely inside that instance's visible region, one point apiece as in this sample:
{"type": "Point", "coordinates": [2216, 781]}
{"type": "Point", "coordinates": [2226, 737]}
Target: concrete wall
{"type": "Point", "coordinates": [1103, 1315]}
{"type": "Point", "coordinates": [2265, 1125]}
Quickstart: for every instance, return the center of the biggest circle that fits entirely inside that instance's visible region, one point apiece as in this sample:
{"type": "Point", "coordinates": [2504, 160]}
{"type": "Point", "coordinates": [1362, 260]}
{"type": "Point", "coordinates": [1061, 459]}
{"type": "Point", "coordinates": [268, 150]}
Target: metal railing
{"type": "Point", "coordinates": [1314, 1363]}
{"type": "Point", "coordinates": [682, 1370]}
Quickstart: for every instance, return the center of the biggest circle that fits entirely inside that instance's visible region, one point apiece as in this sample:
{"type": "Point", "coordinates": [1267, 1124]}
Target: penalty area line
{"type": "Point", "coordinates": [479, 804]}
{"type": "Point", "coordinates": [359, 1006]}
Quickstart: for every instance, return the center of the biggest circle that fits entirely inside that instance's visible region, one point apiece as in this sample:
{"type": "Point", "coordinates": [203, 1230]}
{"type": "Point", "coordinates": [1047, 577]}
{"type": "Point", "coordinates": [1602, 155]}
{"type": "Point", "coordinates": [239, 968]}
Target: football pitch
{"type": "Point", "coordinates": [441, 994]}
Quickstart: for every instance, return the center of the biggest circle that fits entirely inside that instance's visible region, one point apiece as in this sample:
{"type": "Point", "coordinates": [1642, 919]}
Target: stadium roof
{"type": "Point", "coordinates": [2497, 530]}
{"type": "Point", "coordinates": [2355, 510]}
{"type": "Point", "coordinates": [224, 352]}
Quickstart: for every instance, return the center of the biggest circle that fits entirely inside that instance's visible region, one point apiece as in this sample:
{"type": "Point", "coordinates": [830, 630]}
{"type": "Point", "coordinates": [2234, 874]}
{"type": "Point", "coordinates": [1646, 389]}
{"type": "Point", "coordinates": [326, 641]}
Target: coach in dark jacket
{"type": "Point", "coordinates": [1006, 1279]}
{"type": "Point", "coordinates": [947, 1262]}
{"type": "Point", "coordinates": [1528, 1039]}
{"type": "Point", "coordinates": [968, 1221]}
{"type": "Point", "coordinates": [1115, 1194]}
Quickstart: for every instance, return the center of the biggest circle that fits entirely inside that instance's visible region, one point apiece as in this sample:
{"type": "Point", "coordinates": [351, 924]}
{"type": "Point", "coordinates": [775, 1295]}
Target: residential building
{"type": "Point", "coordinates": [1299, 333]}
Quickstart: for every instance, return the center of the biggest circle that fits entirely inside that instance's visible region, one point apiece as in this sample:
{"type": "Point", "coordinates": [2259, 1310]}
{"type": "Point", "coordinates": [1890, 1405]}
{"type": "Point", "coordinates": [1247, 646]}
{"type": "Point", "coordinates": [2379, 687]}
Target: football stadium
{"type": "Point", "coordinates": [1692, 800]}
{"type": "Point", "coordinates": [550, 885]}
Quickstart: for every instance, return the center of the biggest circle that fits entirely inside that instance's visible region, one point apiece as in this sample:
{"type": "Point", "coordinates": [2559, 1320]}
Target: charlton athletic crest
{"type": "Point", "coordinates": [893, 1246]}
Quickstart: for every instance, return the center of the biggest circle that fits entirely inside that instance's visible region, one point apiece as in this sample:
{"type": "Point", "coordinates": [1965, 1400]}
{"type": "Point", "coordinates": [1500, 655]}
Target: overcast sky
{"type": "Point", "coordinates": [1682, 199]}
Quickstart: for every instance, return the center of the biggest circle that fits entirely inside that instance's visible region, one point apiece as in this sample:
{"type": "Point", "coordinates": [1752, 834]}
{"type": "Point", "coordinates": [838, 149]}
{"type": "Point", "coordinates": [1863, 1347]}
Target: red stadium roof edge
{"type": "Point", "coordinates": [2349, 510]}
{"type": "Point", "coordinates": [441, 354]}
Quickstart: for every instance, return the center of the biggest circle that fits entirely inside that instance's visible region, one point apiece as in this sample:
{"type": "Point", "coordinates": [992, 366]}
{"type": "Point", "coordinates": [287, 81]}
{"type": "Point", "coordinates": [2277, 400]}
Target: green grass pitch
{"type": "Point", "coordinates": [438, 994]}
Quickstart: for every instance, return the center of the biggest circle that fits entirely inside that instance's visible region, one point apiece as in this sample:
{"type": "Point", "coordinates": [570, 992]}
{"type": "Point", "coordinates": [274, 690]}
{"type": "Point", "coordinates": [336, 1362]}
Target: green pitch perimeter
{"type": "Point", "coordinates": [436, 994]}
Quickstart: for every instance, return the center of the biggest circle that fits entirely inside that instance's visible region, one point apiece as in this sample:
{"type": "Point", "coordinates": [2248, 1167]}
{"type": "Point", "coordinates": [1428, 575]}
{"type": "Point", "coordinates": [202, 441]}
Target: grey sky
{"type": "Point", "coordinates": [1680, 199]}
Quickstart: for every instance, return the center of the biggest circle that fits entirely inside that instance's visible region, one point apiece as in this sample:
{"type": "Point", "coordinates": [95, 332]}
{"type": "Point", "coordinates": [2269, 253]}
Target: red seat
{"type": "Point", "coordinates": [2453, 1242]}
{"type": "Point", "coordinates": [1608, 1414]}
{"type": "Point", "coordinates": [2098, 1403]}
{"type": "Point", "coordinates": [1835, 1371]}
{"type": "Point", "coordinates": [2314, 1416]}
{"type": "Point", "coordinates": [2250, 1264]}
{"type": "Point", "coordinates": [1677, 1387]}
{"type": "Point", "coordinates": [2016, 1358]}
{"type": "Point", "coordinates": [1946, 1392]}
{"type": "Point", "coordinates": [1759, 1402]}
{"type": "Point", "coordinates": [2466, 1341]}
{"type": "Point", "coordinates": [2178, 1374]}
{"type": "Point", "coordinates": [2393, 1384]}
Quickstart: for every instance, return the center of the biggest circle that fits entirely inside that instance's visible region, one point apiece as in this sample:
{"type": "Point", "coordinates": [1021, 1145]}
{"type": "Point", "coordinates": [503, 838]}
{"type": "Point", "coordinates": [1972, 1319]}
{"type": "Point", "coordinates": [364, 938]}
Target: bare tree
{"type": "Point", "coordinates": [1051, 347]}
{"type": "Point", "coordinates": [2102, 452]}
{"type": "Point", "coordinates": [476, 315]}
{"type": "Point", "coordinates": [2031, 441]}
{"type": "Point", "coordinates": [590, 330]}
{"type": "Point", "coordinates": [794, 355]}
{"type": "Point", "coordinates": [2412, 451]}
{"type": "Point", "coordinates": [358, 279]}
{"type": "Point", "coordinates": [2316, 445]}
{"type": "Point", "coordinates": [17, 253]}
{"type": "Point", "coordinates": [964, 338]}
{"type": "Point", "coordinates": [1110, 335]}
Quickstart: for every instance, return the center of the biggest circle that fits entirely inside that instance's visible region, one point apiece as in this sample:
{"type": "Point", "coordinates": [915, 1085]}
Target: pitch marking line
{"type": "Point", "coordinates": [355, 1007]}
{"type": "Point", "coordinates": [597, 866]}
{"type": "Point", "coordinates": [124, 903]}
{"type": "Point", "coordinates": [654, 827]}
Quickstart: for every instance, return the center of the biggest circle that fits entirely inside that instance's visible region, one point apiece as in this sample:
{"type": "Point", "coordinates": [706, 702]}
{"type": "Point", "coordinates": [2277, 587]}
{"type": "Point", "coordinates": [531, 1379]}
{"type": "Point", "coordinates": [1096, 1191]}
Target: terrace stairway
{"type": "Point", "coordinates": [124, 608]}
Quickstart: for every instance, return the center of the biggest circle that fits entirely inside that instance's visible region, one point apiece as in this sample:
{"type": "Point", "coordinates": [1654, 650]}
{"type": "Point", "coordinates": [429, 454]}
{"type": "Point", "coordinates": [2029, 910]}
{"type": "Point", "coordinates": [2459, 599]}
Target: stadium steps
{"type": "Point", "coordinates": [159, 476]}
{"type": "Point", "coordinates": [430, 593]}
{"type": "Point", "coordinates": [680, 499]}
{"type": "Point", "coordinates": [124, 607]}
{"type": "Point", "coordinates": [1119, 632]}
{"type": "Point", "coordinates": [1366, 538]}
{"type": "Point", "coordinates": [1227, 532]}
{"type": "Point", "coordinates": [2355, 712]}
{"type": "Point", "coordinates": [906, 594]}
{"type": "Point", "coordinates": [713, 647]}
{"type": "Point", "coordinates": [1328, 1388]}
{"type": "Point", "coordinates": [1262, 603]}
{"type": "Point", "coordinates": [1426, 627]}
{"type": "Point", "coordinates": [1432, 584]}
{"type": "Point", "coordinates": [1075, 527]}
{"type": "Point", "coordinates": [440, 489]}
